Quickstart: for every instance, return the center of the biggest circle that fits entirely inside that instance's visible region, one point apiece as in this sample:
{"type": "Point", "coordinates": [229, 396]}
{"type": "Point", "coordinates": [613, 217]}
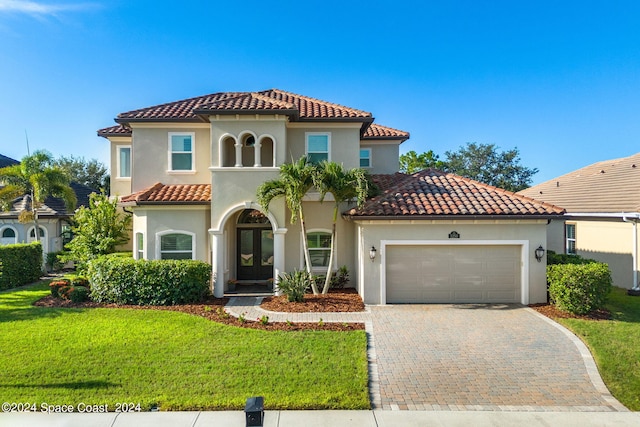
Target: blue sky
{"type": "Point", "coordinates": [559, 80]}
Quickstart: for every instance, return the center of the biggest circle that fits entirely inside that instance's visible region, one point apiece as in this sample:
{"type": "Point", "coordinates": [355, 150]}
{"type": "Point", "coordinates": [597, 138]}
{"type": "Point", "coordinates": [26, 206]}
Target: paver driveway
{"type": "Point", "coordinates": [479, 357]}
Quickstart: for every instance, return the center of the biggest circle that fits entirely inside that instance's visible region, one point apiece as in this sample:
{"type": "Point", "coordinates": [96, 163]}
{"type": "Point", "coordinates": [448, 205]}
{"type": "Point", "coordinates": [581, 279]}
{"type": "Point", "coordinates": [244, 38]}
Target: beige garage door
{"type": "Point", "coordinates": [452, 274]}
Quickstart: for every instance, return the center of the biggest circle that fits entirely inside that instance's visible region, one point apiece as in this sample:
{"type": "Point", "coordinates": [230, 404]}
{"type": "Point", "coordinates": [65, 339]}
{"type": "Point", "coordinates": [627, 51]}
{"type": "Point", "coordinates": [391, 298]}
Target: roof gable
{"type": "Point", "coordinates": [52, 206]}
{"type": "Point", "coordinates": [603, 187]}
{"type": "Point", "coordinates": [431, 193]}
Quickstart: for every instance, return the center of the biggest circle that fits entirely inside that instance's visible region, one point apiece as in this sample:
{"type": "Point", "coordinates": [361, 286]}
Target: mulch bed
{"type": "Point", "coordinates": [342, 300]}
{"type": "Point", "coordinates": [552, 312]}
{"type": "Point", "coordinates": [213, 309]}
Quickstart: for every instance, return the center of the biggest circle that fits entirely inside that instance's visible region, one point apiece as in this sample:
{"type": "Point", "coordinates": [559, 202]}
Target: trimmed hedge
{"type": "Point", "coordinates": [139, 282]}
{"type": "Point", "coordinates": [554, 258]}
{"type": "Point", "coordinates": [579, 288]}
{"type": "Point", "coordinates": [20, 264]}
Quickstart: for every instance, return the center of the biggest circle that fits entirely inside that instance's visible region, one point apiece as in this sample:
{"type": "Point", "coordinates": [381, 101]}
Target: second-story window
{"type": "Point", "coordinates": [181, 153]}
{"type": "Point", "coordinates": [124, 161]}
{"type": "Point", "coordinates": [318, 145]}
{"type": "Point", "coordinates": [365, 157]}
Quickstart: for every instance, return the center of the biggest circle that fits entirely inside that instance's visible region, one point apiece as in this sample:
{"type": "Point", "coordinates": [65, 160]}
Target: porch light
{"type": "Point", "coordinates": [539, 253]}
{"type": "Point", "coordinates": [372, 253]}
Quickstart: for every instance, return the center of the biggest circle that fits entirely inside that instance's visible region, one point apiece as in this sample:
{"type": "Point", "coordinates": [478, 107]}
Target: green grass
{"type": "Point", "coordinates": [173, 360]}
{"type": "Point", "coordinates": [615, 345]}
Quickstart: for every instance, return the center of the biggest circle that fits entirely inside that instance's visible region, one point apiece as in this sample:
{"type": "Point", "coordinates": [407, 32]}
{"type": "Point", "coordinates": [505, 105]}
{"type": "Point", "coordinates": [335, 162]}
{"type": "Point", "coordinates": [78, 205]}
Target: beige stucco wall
{"type": "Point", "coordinates": [150, 155]}
{"type": "Point", "coordinates": [372, 233]}
{"type": "Point", "coordinates": [119, 186]}
{"type": "Point", "coordinates": [152, 220]}
{"type": "Point", "coordinates": [610, 242]}
{"type": "Point", "coordinates": [384, 157]}
{"type": "Point", "coordinates": [52, 242]}
{"type": "Point", "coordinates": [345, 141]}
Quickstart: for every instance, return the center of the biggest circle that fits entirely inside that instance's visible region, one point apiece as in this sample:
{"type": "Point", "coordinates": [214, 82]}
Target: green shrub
{"type": "Point", "coordinates": [579, 288]}
{"type": "Point", "coordinates": [63, 291]}
{"type": "Point", "coordinates": [294, 285]}
{"type": "Point", "coordinates": [338, 280]}
{"type": "Point", "coordinates": [78, 294]}
{"type": "Point", "coordinates": [139, 282]}
{"type": "Point", "coordinates": [554, 258]}
{"type": "Point", "coordinates": [20, 264]}
{"type": "Point", "coordinates": [56, 285]}
{"type": "Point", "coordinates": [52, 261]}
{"type": "Point", "coordinates": [79, 281]}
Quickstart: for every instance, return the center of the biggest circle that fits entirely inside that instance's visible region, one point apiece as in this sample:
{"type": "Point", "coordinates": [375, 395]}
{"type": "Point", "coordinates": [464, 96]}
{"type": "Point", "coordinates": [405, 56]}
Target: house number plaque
{"type": "Point", "coordinates": [454, 235]}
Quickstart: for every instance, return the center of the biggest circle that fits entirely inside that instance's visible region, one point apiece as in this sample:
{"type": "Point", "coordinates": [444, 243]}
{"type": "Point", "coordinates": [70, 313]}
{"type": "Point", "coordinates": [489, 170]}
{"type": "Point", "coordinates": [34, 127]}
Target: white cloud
{"type": "Point", "coordinates": [39, 8]}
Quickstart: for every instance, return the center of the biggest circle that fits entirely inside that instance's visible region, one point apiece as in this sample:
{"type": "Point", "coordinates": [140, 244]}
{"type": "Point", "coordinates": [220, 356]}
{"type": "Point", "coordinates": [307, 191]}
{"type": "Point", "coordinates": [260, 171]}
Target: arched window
{"type": "Point", "coordinates": [32, 234]}
{"type": "Point", "coordinates": [177, 245]}
{"type": "Point", "coordinates": [8, 236]}
{"type": "Point", "coordinates": [252, 216]}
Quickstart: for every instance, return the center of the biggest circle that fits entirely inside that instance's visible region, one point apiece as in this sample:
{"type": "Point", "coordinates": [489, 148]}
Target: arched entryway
{"type": "Point", "coordinates": [254, 246]}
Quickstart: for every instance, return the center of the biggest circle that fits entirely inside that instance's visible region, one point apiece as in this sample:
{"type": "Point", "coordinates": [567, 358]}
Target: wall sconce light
{"type": "Point", "coordinates": [539, 253]}
{"type": "Point", "coordinates": [372, 253]}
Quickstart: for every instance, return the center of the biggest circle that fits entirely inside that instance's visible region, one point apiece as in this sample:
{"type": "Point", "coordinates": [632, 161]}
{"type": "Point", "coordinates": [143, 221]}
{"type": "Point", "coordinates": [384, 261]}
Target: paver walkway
{"type": "Point", "coordinates": [480, 357]}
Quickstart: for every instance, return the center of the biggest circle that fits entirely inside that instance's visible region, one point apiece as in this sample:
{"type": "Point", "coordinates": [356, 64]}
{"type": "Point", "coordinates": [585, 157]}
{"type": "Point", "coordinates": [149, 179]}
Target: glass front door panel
{"type": "Point", "coordinates": [266, 243]}
{"type": "Point", "coordinates": [246, 248]}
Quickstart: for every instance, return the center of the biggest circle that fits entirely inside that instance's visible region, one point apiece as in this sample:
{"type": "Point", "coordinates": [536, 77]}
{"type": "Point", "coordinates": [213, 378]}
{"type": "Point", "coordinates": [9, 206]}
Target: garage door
{"type": "Point", "coordinates": [452, 274]}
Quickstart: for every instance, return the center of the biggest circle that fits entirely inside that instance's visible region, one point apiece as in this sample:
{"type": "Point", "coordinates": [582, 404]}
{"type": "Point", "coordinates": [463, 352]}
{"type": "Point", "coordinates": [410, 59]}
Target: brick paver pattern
{"type": "Point", "coordinates": [478, 357]}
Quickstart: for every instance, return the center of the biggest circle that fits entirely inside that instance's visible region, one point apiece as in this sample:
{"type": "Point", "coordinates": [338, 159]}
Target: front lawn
{"type": "Point", "coordinates": [615, 345]}
{"type": "Point", "coordinates": [171, 360]}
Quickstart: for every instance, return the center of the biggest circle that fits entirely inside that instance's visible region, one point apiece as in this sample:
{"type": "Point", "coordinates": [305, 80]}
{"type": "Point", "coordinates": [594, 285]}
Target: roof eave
{"type": "Point", "coordinates": [206, 112]}
{"type": "Point", "coordinates": [450, 217]}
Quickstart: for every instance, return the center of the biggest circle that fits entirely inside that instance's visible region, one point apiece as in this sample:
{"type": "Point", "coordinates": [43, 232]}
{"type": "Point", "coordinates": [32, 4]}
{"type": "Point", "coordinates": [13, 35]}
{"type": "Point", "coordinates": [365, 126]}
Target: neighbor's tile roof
{"type": "Point", "coordinates": [437, 194]}
{"type": "Point", "coordinates": [611, 186]}
{"type": "Point", "coordinates": [52, 206]}
{"type": "Point", "coordinates": [172, 193]}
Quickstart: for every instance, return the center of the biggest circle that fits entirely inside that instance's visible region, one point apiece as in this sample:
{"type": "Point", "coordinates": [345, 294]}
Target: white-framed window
{"type": "Point", "coordinates": [8, 236]}
{"type": "Point", "coordinates": [31, 237]}
{"type": "Point", "coordinates": [182, 151]}
{"type": "Point", "coordinates": [318, 146]}
{"type": "Point", "coordinates": [570, 232]}
{"type": "Point", "coordinates": [176, 245]}
{"type": "Point", "coordinates": [365, 157]}
{"type": "Point", "coordinates": [319, 248]}
{"type": "Point", "coordinates": [124, 161]}
{"type": "Point", "coordinates": [139, 246]}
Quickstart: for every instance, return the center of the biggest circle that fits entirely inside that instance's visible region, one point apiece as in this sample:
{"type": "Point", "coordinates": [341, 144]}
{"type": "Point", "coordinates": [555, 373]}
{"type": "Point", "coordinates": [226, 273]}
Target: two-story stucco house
{"type": "Point", "coordinates": [189, 171]}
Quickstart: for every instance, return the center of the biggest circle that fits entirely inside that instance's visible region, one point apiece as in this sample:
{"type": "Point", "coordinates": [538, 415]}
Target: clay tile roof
{"type": "Point", "coordinates": [375, 131]}
{"type": "Point", "coordinates": [301, 107]}
{"type": "Point", "coordinates": [160, 193]}
{"type": "Point", "coordinates": [437, 194]}
{"type": "Point", "coordinates": [247, 102]}
{"type": "Point", "coordinates": [611, 186]}
{"type": "Point", "coordinates": [118, 130]}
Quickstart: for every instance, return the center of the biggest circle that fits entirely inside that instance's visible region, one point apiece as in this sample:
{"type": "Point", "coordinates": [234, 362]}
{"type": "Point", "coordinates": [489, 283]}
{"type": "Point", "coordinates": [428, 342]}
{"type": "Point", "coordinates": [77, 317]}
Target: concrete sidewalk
{"type": "Point", "coordinates": [326, 419]}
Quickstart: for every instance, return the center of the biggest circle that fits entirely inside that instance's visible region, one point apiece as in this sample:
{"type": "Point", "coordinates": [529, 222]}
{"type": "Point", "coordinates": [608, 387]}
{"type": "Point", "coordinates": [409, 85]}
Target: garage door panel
{"type": "Point", "coordinates": [455, 273]}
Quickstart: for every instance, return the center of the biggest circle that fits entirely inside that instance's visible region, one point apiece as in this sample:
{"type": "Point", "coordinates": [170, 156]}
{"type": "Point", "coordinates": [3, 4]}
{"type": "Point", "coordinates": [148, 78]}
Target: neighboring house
{"type": "Point", "coordinates": [7, 161]}
{"type": "Point", "coordinates": [603, 209]}
{"type": "Point", "coordinates": [189, 171]}
{"type": "Point", "coordinates": [53, 220]}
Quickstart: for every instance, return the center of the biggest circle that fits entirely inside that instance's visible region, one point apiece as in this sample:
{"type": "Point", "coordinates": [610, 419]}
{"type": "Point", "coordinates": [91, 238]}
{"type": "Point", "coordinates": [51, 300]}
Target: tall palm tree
{"type": "Point", "coordinates": [344, 185]}
{"type": "Point", "coordinates": [35, 178]}
{"type": "Point", "coordinates": [295, 180]}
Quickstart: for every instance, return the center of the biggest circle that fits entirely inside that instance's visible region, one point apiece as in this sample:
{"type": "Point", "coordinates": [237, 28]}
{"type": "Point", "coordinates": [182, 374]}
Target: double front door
{"type": "Point", "coordinates": [255, 253]}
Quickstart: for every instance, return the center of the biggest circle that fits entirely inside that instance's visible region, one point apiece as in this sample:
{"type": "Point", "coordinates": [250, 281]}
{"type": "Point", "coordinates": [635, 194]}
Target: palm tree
{"type": "Point", "coordinates": [35, 178]}
{"type": "Point", "coordinates": [344, 185]}
{"type": "Point", "coordinates": [295, 180]}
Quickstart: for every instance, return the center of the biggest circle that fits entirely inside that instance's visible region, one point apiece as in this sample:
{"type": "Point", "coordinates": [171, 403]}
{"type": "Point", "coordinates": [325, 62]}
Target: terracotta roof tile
{"type": "Point", "coordinates": [434, 193]}
{"type": "Point", "coordinates": [117, 130]}
{"type": "Point", "coordinates": [375, 131]}
{"type": "Point", "coordinates": [611, 186]}
{"type": "Point", "coordinates": [174, 193]}
{"type": "Point", "coordinates": [272, 99]}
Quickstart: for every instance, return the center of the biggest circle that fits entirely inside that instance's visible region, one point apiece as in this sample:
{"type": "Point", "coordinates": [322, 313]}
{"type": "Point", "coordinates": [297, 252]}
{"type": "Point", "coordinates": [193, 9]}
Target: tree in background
{"type": "Point", "coordinates": [36, 177]}
{"type": "Point", "coordinates": [413, 162]}
{"type": "Point", "coordinates": [91, 173]}
{"type": "Point", "coordinates": [484, 163]}
{"type": "Point", "coordinates": [344, 185]}
{"type": "Point", "coordinates": [481, 162]}
{"type": "Point", "coordinates": [97, 230]}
